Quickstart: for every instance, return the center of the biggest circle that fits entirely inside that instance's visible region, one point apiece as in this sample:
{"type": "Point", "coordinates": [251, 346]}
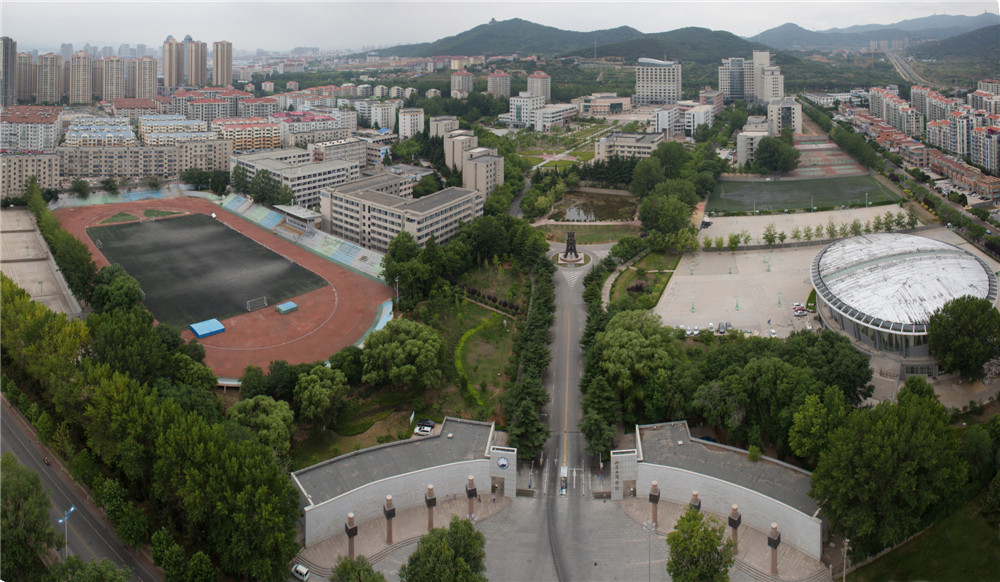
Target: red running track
{"type": "Point", "coordinates": [328, 319]}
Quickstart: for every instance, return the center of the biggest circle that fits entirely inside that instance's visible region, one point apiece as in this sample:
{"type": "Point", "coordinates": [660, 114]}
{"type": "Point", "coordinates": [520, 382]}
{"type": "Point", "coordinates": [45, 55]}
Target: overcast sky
{"type": "Point", "coordinates": [38, 24]}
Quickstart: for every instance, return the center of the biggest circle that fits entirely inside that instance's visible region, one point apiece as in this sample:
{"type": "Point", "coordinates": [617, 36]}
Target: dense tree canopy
{"type": "Point", "coordinates": [963, 335]}
{"type": "Point", "coordinates": [886, 466]}
{"type": "Point", "coordinates": [453, 554]}
{"type": "Point", "coordinates": [774, 155]}
{"type": "Point", "coordinates": [404, 353]}
{"type": "Point", "coordinates": [27, 533]}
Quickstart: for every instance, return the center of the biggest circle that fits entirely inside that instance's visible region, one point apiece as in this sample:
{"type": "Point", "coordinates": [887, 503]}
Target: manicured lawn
{"type": "Point", "coordinates": [584, 154]}
{"type": "Point", "coordinates": [589, 233]}
{"type": "Point", "coordinates": [153, 213]}
{"type": "Point", "coordinates": [120, 217]}
{"type": "Point", "coordinates": [659, 261]}
{"type": "Point", "coordinates": [532, 160]}
{"type": "Point", "coordinates": [962, 546]}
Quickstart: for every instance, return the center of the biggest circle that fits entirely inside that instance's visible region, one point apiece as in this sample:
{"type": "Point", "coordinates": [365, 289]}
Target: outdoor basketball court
{"type": "Point", "coordinates": [192, 268]}
{"type": "Point", "coordinates": [819, 157]}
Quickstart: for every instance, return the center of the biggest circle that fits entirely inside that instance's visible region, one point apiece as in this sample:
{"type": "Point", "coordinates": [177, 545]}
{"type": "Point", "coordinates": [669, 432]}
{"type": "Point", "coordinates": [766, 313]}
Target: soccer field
{"type": "Point", "coordinates": [194, 268]}
{"type": "Point", "coordinates": [794, 194]}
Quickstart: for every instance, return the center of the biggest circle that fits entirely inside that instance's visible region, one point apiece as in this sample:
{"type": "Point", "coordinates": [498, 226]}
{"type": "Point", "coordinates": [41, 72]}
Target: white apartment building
{"type": "Point", "coordinates": [257, 107]}
{"type": "Point", "coordinates": [15, 170]}
{"type": "Point", "coordinates": [627, 145]}
{"type": "Point", "coordinates": [99, 135]}
{"type": "Point", "coordinates": [498, 83]}
{"type": "Point", "coordinates": [207, 109]}
{"type": "Point", "coordinates": [441, 125]}
{"type": "Point", "coordinates": [411, 122]}
{"type": "Point", "coordinates": [432, 93]}
{"type": "Point", "coordinates": [113, 83]}
{"type": "Point", "coordinates": [383, 115]}
{"type": "Point", "coordinates": [380, 91]}
{"type": "Point", "coordinates": [455, 143]}
{"type": "Point", "coordinates": [754, 79]}
{"type": "Point", "coordinates": [984, 147]}
{"type": "Point", "coordinates": [351, 149]}
{"type": "Point", "coordinates": [170, 123]}
{"type": "Point", "coordinates": [141, 161]}
{"type": "Point", "coordinates": [748, 140]}
{"type": "Point", "coordinates": [770, 84]}
{"type": "Point", "coordinates": [782, 113]}
{"type": "Point", "coordinates": [549, 116]}
{"type": "Point", "coordinates": [521, 107]}
{"type": "Point", "coordinates": [461, 84]}
{"type": "Point", "coordinates": [164, 138]}
{"type": "Point", "coordinates": [386, 183]}
{"type": "Point", "coordinates": [540, 85]}
{"type": "Point", "coordinates": [294, 167]}
{"type": "Point", "coordinates": [30, 128]}
{"type": "Point", "coordinates": [372, 219]}
{"type": "Point", "coordinates": [657, 82]}
{"type": "Point", "coordinates": [482, 170]}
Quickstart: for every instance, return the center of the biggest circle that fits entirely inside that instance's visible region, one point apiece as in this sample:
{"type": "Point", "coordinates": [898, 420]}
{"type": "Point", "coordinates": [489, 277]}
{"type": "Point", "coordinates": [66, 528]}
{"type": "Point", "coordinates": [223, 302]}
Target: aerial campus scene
{"type": "Point", "coordinates": [557, 291]}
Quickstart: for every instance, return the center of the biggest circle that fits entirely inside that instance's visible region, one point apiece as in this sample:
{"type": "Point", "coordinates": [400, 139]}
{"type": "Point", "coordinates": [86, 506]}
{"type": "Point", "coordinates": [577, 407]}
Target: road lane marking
{"type": "Point", "coordinates": [569, 338]}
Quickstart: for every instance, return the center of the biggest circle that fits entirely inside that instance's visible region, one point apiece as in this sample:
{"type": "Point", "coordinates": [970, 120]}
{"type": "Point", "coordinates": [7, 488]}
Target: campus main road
{"type": "Point", "coordinates": [90, 537]}
{"type": "Point", "coordinates": [567, 447]}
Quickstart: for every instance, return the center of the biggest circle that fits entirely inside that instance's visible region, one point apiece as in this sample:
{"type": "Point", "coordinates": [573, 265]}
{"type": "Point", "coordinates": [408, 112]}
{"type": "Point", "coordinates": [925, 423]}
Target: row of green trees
{"type": "Point", "coordinates": [130, 405]}
{"type": "Point", "coordinates": [217, 180]}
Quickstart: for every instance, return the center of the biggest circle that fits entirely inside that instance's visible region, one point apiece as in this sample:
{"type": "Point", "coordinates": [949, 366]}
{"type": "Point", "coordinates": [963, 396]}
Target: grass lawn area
{"type": "Point", "coordinates": [560, 163]}
{"type": "Point", "coordinates": [962, 546]}
{"type": "Point", "coordinates": [733, 196]}
{"type": "Point", "coordinates": [655, 284]}
{"type": "Point", "coordinates": [588, 234]}
{"type": "Point", "coordinates": [584, 154]}
{"type": "Point", "coordinates": [120, 217]}
{"type": "Point", "coordinates": [485, 355]}
{"type": "Point", "coordinates": [153, 213]}
{"type": "Point", "coordinates": [659, 261]}
{"type": "Point", "coordinates": [532, 160]}
{"type": "Point", "coordinates": [313, 444]}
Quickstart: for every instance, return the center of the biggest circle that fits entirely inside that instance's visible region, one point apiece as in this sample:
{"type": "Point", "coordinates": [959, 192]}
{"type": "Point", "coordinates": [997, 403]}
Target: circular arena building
{"type": "Point", "coordinates": [881, 289]}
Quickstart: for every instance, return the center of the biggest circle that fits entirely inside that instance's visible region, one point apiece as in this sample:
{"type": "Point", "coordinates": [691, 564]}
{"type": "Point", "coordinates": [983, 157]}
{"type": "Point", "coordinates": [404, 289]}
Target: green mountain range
{"type": "Point", "coordinates": [513, 36]}
{"type": "Point", "coordinates": [688, 45]}
{"type": "Point", "coordinates": [979, 45]}
{"type": "Point", "coordinates": [793, 37]}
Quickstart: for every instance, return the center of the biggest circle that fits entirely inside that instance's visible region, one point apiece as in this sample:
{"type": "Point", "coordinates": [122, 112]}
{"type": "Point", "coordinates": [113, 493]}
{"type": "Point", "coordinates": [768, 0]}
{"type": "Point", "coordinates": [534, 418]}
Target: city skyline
{"type": "Point", "coordinates": [333, 25]}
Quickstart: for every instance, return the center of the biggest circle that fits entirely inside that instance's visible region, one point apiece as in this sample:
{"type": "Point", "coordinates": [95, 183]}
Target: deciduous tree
{"type": "Point", "coordinates": [403, 353]}
{"type": "Point", "coordinates": [27, 532]}
{"type": "Point", "coordinates": [963, 335]}
{"type": "Point", "coordinates": [455, 554]}
{"type": "Point", "coordinates": [699, 549]}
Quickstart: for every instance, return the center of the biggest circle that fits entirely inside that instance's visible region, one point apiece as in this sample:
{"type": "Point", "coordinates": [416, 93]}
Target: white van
{"type": "Point", "coordinates": [300, 572]}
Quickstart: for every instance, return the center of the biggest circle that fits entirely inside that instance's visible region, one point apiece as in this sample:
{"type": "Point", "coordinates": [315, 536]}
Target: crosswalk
{"type": "Point", "coordinates": [572, 276]}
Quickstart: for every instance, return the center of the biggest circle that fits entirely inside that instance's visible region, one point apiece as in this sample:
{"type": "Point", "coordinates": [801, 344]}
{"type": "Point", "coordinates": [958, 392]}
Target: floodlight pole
{"type": "Point", "coordinates": [65, 522]}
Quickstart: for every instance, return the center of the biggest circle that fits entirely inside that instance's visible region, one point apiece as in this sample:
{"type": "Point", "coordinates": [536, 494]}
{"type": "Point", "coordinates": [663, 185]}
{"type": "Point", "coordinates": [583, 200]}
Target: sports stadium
{"type": "Point", "coordinates": [240, 266]}
{"type": "Point", "coordinates": [881, 289]}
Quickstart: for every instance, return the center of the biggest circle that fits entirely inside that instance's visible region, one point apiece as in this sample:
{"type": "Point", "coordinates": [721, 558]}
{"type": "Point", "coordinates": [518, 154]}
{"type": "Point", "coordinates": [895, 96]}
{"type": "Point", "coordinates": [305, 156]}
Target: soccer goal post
{"type": "Point", "coordinates": [256, 303]}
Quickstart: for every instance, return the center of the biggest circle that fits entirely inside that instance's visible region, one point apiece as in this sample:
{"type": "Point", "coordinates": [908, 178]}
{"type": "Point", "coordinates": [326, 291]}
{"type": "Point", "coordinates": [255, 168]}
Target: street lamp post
{"type": "Point", "coordinates": [847, 546]}
{"type": "Point", "coordinates": [65, 522]}
{"type": "Point", "coordinates": [649, 527]}
{"type": "Point", "coordinates": [397, 291]}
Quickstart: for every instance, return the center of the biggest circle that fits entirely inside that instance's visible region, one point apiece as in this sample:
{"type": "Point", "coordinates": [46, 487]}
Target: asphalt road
{"type": "Point", "coordinates": [565, 514]}
{"type": "Point", "coordinates": [90, 537]}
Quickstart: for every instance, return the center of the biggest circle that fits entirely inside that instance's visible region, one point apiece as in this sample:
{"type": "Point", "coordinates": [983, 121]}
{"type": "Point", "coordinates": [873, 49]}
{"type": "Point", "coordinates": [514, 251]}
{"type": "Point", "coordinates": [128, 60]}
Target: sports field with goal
{"type": "Point", "coordinates": [192, 268]}
{"type": "Point", "coordinates": [733, 196]}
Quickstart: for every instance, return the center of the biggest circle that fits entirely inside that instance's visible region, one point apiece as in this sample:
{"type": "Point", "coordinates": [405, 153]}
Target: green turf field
{"type": "Point", "coordinates": [789, 194]}
{"type": "Point", "coordinates": [194, 268]}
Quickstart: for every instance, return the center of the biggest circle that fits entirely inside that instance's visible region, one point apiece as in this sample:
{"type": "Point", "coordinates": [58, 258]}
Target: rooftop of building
{"type": "Point", "coordinates": [133, 103]}
{"type": "Point", "coordinates": [298, 212]}
{"type": "Point", "coordinates": [646, 62]}
{"type": "Point", "coordinates": [890, 280]}
{"type": "Point", "coordinates": [380, 180]}
{"type": "Point", "coordinates": [207, 101]}
{"type": "Point", "coordinates": [260, 100]}
{"type": "Point", "coordinates": [634, 137]}
{"type": "Point", "coordinates": [151, 120]}
{"type": "Point", "coordinates": [671, 445]}
{"type": "Point", "coordinates": [30, 114]}
{"type": "Point", "coordinates": [538, 75]}
{"type": "Point", "coordinates": [458, 440]}
{"type": "Point", "coordinates": [181, 134]}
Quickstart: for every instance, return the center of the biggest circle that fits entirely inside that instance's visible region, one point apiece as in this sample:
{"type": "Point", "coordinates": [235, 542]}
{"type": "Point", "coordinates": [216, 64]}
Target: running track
{"type": "Point", "coordinates": [327, 320]}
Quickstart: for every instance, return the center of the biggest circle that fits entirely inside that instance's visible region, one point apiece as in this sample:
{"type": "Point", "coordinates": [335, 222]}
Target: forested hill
{"type": "Point", "coordinates": [690, 44]}
{"type": "Point", "coordinates": [513, 36]}
{"type": "Point", "coordinates": [982, 44]}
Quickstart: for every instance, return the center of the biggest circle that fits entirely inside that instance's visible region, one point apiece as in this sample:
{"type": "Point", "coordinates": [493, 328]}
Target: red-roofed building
{"type": "Point", "coordinates": [258, 107]}
{"type": "Point", "coordinates": [249, 134]}
{"type": "Point", "coordinates": [540, 85]}
{"type": "Point", "coordinates": [29, 127]}
{"type": "Point", "coordinates": [133, 108]}
{"type": "Point", "coordinates": [984, 146]}
{"type": "Point", "coordinates": [461, 84]}
{"type": "Point", "coordinates": [498, 83]}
